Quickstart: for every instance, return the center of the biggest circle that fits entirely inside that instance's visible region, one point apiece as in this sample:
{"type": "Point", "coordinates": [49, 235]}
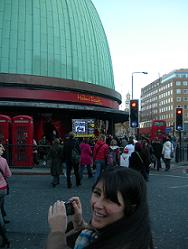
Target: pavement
{"type": "Point", "coordinates": [43, 170]}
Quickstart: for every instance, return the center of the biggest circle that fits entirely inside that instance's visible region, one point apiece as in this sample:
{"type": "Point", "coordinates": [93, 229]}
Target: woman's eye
{"type": "Point", "coordinates": [96, 192]}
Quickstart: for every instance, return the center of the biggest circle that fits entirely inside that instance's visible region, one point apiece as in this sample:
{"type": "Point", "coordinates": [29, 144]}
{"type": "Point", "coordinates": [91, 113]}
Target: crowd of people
{"type": "Point", "coordinates": [145, 153]}
{"type": "Point", "coordinates": [78, 155]}
{"type": "Point", "coordinates": [73, 155]}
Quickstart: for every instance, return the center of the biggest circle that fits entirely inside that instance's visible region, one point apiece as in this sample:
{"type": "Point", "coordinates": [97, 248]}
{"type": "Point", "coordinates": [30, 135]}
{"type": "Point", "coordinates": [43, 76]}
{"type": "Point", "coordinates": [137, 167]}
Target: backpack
{"type": "Point", "coordinates": [112, 157]}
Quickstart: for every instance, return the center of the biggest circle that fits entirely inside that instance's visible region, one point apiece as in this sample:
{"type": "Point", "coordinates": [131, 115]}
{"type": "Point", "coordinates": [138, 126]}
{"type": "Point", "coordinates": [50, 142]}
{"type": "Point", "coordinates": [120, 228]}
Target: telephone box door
{"type": "Point", "coordinates": [4, 129]}
{"type": "Point", "coordinates": [22, 141]}
{"type": "Point", "coordinates": [5, 122]}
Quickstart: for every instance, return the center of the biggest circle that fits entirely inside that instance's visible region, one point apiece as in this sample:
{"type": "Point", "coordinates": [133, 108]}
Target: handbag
{"type": "Point", "coordinates": [171, 153]}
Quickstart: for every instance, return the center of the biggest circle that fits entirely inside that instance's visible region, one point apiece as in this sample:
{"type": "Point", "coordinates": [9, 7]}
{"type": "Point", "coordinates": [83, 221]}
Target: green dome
{"type": "Point", "coordinates": [54, 38]}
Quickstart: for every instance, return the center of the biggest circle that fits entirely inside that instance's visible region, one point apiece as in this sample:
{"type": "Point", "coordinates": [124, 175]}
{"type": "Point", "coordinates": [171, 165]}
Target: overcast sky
{"type": "Point", "coordinates": [144, 35]}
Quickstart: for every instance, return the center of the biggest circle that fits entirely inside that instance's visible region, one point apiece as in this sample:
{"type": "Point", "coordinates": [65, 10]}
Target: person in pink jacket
{"type": "Point", "coordinates": [4, 174]}
{"type": "Point", "coordinates": [100, 155]}
{"type": "Point", "coordinates": [85, 158]}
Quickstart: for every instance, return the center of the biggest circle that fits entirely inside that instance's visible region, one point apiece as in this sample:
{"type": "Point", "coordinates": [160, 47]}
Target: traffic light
{"type": "Point", "coordinates": [134, 113]}
{"type": "Point", "coordinates": [179, 118]}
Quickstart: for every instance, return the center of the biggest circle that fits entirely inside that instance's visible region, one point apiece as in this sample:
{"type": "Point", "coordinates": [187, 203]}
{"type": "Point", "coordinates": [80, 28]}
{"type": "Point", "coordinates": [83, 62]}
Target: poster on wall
{"type": "Point", "coordinates": [83, 127]}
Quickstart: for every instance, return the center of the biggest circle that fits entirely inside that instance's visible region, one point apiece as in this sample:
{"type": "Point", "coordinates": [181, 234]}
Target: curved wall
{"type": "Point", "coordinates": [62, 40]}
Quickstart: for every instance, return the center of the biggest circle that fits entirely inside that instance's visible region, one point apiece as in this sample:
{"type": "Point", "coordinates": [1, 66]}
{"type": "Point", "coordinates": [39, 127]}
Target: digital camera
{"type": "Point", "coordinates": [69, 208]}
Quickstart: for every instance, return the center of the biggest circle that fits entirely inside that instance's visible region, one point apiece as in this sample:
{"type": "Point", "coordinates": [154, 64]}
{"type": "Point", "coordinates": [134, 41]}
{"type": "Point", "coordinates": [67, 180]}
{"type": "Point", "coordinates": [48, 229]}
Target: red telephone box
{"type": "Point", "coordinates": [22, 141]}
{"type": "Point", "coordinates": [5, 122]}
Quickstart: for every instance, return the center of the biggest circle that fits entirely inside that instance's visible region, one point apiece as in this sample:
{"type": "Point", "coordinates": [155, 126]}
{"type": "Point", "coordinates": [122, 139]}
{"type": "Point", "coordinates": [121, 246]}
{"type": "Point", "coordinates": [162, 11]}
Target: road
{"type": "Point", "coordinates": [31, 195]}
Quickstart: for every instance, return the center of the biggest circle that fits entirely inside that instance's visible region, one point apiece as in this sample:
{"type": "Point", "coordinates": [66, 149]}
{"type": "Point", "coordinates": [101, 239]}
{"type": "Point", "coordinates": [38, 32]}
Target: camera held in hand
{"type": "Point", "coordinates": [69, 208]}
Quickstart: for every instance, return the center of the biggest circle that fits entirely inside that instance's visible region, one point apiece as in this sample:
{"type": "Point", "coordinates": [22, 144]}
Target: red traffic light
{"type": "Point", "coordinates": [134, 113]}
{"type": "Point", "coordinates": [179, 118]}
{"type": "Point", "coordinates": [134, 103]}
{"type": "Point", "coordinates": [179, 111]}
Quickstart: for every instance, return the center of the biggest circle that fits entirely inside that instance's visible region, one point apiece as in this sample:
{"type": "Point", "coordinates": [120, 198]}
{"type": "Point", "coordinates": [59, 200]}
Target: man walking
{"type": "Point", "coordinates": [69, 145]}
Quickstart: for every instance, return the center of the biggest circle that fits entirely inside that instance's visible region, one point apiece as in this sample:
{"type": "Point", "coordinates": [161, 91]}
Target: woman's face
{"type": "Point", "coordinates": [105, 211]}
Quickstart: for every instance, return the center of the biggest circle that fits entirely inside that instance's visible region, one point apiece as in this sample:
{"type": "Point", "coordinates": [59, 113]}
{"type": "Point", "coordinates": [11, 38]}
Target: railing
{"type": "Point", "coordinates": [24, 155]}
{"type": "Point", "coordinates": [181, 153]}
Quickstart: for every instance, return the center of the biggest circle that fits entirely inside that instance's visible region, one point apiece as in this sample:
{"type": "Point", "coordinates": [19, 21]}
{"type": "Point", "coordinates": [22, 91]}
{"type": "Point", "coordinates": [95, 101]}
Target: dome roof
{"type": "Point", "coordinates": [62, 39]}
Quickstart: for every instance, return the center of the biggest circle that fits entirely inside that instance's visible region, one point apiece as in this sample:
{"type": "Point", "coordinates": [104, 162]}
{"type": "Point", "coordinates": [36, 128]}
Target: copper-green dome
{"type": "Point", "coordinates": [54, 38]}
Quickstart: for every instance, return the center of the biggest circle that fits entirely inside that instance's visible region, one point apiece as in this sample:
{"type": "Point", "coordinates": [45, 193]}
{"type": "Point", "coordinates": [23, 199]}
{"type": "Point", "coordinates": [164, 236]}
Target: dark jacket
{"type": "Point", "coordinates": [67, 150]}
{"type": "Point", "coordinates": [55, 159]}
{"type": "Point", "coordinates": [138, 162]}
{"type": "Point", "coordinates": [157, 149]}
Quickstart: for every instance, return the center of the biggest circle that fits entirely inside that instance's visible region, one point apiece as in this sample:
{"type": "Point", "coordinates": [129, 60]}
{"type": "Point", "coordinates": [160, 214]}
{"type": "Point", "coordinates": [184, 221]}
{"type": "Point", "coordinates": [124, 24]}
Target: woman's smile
{"type": "Point", "coordinates": [104, 210]}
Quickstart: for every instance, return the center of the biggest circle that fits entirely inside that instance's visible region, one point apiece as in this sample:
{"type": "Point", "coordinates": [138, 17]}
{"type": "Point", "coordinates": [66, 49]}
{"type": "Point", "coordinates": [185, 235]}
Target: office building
{"type": "Point", "coordinates": [160, 98]}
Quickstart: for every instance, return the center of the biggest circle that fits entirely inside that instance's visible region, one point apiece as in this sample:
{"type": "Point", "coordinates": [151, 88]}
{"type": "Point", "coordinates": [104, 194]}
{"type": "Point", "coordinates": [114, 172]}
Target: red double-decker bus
{"type": "Point", "coordinates": [153, 129]}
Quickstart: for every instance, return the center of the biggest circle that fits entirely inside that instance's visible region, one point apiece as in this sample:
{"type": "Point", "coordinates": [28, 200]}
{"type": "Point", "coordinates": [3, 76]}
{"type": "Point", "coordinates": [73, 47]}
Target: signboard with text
{"type": "Point", "coordinates": [83, 127]}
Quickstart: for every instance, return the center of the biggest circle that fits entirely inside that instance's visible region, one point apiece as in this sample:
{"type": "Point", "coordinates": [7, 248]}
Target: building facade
{"type": "Point", "coordinates": [160, 98]}
{"type": "Point", "coordinates": [55, 64]}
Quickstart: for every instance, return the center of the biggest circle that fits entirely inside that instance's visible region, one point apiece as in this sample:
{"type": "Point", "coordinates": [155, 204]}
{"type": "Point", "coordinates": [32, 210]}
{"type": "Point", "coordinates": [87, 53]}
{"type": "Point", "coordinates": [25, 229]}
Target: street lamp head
{"type": "Point", "coordinates": [132, 79]}
{"type": "Point", "coordinates": [140, 72]}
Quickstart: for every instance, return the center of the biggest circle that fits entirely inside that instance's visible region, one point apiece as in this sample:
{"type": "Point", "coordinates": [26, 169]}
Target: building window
{"type": "Point", "coordinates": [178, 99]}
{"type": "Point", "coordinates": [185, 91]}
{"type": "Point", "coordinates": [178, 91]}
{"type": "Point", "coordinates": [185, 83]}
{"type": "Point", "coordinates": [178, 83]}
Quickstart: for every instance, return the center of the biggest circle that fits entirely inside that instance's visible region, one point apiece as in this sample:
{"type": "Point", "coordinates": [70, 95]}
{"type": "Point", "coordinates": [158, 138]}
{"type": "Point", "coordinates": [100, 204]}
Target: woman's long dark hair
{"type": "Point", "coordinates": [132, 231]}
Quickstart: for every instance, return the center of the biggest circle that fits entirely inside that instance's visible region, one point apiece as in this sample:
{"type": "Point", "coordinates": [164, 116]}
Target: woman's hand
{"type": "Point", "coordinates": [57, 218]}
{"type": "Point", "coordinates": [77, 216]}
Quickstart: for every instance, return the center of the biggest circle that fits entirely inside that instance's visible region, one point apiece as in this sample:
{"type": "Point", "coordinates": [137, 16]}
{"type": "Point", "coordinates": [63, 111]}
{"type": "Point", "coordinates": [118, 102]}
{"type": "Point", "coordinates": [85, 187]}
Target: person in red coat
{"type": "Point", "coordinates": [99, 155]}
{"type": "Point", "coordinates": [85, 158]}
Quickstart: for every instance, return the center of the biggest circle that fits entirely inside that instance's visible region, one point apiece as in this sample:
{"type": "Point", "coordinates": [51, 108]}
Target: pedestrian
{"type": "Point", "coordinates": [85, 158]}
{"type": "Point", "coordinates": [35, 153]}
{"type": "Point", "coordinates": [130, 146]}
{"type": "Point", "coordinates": [4, 174]}
{"type": "Point", "coordinates": [157, 151]}
{"type": "Point", "coordinates": [120, 216]}
{"type": "Point", "coordinates": [70, 146]}
{"type": "Point", "coordinates": [113, 156]}
{"type": "Point", "coordinates": [137, 161]}
{"type": "Point", "coordinates": [167, 153]}
{"type": "Point", "coordinates": [147, 152]}
{"type": "Point", "coordinates": [124, 141]}
{"type": "Point", "coordinates": [100, 155]}
{"type": "Point", "coordinates": [4, 168]}
{"type": "Point", "coordinates": [43, 150]}
{"type": "Point", "coordinates": [55, 160]}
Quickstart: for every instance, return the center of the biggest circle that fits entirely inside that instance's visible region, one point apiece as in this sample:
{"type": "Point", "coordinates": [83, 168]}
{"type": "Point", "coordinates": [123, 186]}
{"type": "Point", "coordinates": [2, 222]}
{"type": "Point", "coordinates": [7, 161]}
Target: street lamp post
{"type": "Point", "coordinates": [132, 79]}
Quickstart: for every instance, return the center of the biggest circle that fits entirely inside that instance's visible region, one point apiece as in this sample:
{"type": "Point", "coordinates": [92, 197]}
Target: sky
{"type": "Point", "coordinates": [144, 36]}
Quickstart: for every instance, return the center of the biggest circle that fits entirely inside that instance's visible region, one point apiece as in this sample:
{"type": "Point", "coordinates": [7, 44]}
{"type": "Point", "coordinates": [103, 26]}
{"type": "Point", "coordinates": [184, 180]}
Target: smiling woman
{"type": "Point", "coordinates": [120, 218]}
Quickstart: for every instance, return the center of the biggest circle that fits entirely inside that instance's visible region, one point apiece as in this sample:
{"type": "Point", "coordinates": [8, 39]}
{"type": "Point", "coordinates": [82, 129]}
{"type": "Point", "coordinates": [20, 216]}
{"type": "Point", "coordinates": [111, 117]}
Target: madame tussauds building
{"type": "Point", "coordinates": [55, 70]}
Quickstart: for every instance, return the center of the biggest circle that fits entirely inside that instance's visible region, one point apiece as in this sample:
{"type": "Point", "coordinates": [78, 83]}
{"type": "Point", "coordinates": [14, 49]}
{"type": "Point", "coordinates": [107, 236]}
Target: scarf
{"type": "Point", "coordinates": [85, 238]}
